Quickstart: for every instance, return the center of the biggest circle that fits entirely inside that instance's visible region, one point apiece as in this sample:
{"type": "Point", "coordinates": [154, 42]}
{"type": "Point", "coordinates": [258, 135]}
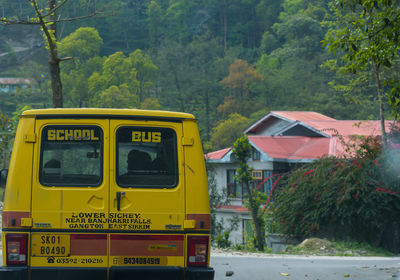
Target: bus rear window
{"type": "Point", "coordinates": [71, 156]}
{"type": "Point", "coordinates": [146, 157]}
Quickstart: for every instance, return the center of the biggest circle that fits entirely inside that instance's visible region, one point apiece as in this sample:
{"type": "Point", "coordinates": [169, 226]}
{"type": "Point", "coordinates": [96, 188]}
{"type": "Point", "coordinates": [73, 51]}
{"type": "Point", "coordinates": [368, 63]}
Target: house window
{"type": "Point", "coordinates": [234, 190]}
{"type": "Point", "coordinates": [263, 182]}
{"type": "Point", "coordinates": [257, 174]}
{"type": "Point", "coordinates": [268, 182]}
{"type": "Point", "coordinates": [255, 155]}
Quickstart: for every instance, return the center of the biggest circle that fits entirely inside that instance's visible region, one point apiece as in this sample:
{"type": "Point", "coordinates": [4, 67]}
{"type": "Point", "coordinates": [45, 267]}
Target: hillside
{"type": "Point", "coordinates": [210, 58]}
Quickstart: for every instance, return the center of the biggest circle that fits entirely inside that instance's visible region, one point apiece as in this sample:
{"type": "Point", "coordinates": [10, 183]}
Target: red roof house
{"type": "Point", "coordinates": [282, 140]}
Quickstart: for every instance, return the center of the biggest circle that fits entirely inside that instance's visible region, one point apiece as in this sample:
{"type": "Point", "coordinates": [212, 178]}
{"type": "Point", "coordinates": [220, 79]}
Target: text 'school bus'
{"type": "Point", "coordinates": [106, 194]}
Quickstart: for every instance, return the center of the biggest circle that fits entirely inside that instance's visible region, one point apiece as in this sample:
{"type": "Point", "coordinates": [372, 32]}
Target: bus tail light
{"type": "Point", "coordinates": [16, 248]}
{"type": "Point", "coordinates": [197, 250]}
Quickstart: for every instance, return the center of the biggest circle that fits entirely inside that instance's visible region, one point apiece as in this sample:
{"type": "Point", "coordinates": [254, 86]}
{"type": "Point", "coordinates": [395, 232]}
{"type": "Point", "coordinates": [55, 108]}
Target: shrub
{"type": "Point", "coordinates": [356, 198]}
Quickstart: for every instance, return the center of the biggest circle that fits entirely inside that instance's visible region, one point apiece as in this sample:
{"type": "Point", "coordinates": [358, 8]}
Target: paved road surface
{"type": "Point", "coordinates": [300, 267]}
{"type": "Point", "coordinates": [310, 268]}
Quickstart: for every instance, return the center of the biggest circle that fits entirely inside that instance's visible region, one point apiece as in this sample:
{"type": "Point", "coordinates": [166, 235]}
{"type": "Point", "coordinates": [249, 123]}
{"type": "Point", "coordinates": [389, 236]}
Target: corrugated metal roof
{"type": "Point", "coordinates": [217, 154]}
{"type": "Point", "coordinates": [233, 208]}
{"type": "Point", "coordinates": [302, 147]}
{"type": "Point", "coordinates": [349, 127]}
{"type": "Point", "coordinates": [15, 81]}
{"type": "Point", "coordinates": [303, 115]}
{"type": "Point", "coordinates": [290, 116]}
{"type": "Point", "coordinates": [292, 147]}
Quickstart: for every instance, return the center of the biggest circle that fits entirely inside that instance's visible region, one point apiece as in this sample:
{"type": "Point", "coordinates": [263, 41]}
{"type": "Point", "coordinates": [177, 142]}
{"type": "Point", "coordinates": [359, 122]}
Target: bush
{"type": "Point", "coordinates": [223, 240]}
{"type": "Point", "coordinates": [355, 198]}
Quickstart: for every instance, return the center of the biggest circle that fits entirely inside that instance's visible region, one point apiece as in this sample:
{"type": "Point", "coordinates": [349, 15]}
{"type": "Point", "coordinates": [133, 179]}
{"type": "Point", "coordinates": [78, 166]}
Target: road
{"type": "Point", "coordinates": [298, 267]}
{"type": "Point", "coordinates": [301, 267]}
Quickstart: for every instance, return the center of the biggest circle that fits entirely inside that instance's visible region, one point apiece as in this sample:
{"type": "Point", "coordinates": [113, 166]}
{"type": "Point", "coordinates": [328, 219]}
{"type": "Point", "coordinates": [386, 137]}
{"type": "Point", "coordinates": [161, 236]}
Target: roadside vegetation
{"type": "Point", "coordinates": [353, 198]}
{"type": "Point", "coordinates": [315, 247]}
{"type": "Point", "coordinates": [324, 247]}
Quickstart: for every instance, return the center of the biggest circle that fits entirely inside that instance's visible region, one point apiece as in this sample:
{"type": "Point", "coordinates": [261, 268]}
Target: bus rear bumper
{"type": "Point", "coordinates": [162, 272]}
{"type": "Point", "coordinates": [13, 273]}
{"type": "Point", "coordinates": [115, 273]}
{"type": "Point", "coordinates": [200, 273]}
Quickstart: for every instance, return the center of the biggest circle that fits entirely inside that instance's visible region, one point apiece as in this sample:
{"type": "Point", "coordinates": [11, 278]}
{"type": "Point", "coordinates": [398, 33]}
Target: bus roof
{"type": "Point", "coordinates": [106, 113]}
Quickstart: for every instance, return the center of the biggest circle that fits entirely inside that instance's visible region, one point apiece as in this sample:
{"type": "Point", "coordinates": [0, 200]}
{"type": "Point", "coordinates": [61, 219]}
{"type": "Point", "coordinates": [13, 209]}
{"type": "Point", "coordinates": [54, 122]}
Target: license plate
{"type": "Point", "coordinates": [56, 245]}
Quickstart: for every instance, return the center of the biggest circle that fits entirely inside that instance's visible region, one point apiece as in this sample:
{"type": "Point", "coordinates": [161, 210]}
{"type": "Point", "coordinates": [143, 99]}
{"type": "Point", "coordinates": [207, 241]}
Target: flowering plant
{"type": "Point", "coordinates": [356, 198]}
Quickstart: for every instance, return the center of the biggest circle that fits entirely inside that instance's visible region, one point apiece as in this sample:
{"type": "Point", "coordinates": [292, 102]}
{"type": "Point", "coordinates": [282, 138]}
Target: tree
{"type": "Point", "coordinates": [46, 18]}
{"type": "Point", "coordinates": [116, 97]}
{"type": "Point", "coordinates": [242, 151]}
{"type": "Point", "coordinates": [174, 75]}
{"type": "Point", "coordinates": [117, 69]}
{"type": "Point", "coordinates": [240, 77]}
{"type": "Point", "coordinates": [209, 64]}
{"type": "Point", "coordinates": [226, 132]}
{"type": "Point", "coordinates": [146, 71]}
{"type": "Point", "coordinates": [84, 45]}
{"type": "Point", "coordinates": [117, 72]}
{"type": "Point", "coordinates": [155, 20]}
{"type": "Point", "coordinates": [367, 33]}
{"type": "Point", "coordinates": [150, 104]}
{"type": "Point", "coordinates": [7, 133]}
{"type": "Point", "coordinates": [301, 32]}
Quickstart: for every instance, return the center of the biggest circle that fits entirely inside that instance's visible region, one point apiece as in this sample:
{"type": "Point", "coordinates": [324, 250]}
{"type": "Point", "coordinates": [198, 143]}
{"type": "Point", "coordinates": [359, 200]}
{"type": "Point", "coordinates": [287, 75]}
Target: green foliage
{"type": "Point", "coordinates": [353, 198]}
{"type": "Point", "coordinates": [83, 44]}
{"type": "Point", "coordinates": [222, 231]}
{"type": "Point", "coordinates": [8, 127]}
{"type": "Point", "coordinates": [115, 81]}
{"type": "Point", "coordinates": [150, 104]}
{"type": "Point", "coordinates": [7, 133]}
{"type": "Point", "coordinates": [116, 97]}
{"type": "Point", "coordinates": [155, 24]}
{"type": "Point", "coordinates": [365, 35]}
{"type": "Point", "coordinates": [242, 152]}
{"type": "Point", "coordinates": [117, 69]}
{"type": "Point", "coordinates": [178, 53]}
{"type": "Point", "coordinates": [223, 240]}
{"type": "Point", "coordinates": [226, 133]}
{"type": "Point", "coordinates": [146, 71]}
{"type": "Point", "coordinates": [290, 8]}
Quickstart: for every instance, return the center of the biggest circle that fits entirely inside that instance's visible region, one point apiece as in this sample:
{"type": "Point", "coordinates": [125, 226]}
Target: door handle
{"type": "Point", "coordinates": [119, 195]}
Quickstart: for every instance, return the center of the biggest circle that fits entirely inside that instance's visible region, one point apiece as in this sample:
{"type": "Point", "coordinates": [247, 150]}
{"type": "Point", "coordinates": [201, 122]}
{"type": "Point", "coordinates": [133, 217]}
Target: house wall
{"type": "Point", "coordinates": [237, 235]}
{"type": "Point", "coordinates": [300, 130]}
{"type": "Point", "coordinates": [220, 175]}
{"type": "Point", "coordinates": [274, 125]}
{"type": "Point", "coordinates": [261, 165]}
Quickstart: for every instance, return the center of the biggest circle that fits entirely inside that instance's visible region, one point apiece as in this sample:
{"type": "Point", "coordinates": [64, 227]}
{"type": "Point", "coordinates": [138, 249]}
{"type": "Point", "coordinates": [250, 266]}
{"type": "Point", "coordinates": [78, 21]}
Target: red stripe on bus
{"type": "Point", "coordinates": [88, 244]}
{"type": "Point", "coordinates": [88, 236]}
{"type": "Point", "coordinates": [146, 237]}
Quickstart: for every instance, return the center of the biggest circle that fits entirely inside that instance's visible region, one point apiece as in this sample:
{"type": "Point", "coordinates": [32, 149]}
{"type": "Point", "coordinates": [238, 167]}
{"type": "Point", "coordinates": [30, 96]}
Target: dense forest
{"type": "Point", "coordinates": [227, 62]}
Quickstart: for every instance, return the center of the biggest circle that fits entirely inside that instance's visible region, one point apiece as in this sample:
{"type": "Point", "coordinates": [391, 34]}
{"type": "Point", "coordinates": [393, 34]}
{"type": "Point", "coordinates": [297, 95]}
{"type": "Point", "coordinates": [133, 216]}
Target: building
{"type": "Point", "coordinates": [280, 141]}
{"type": "Point", "coordinates": [9, 85]}
{"type": "Point", "coordinates": [8, 90]}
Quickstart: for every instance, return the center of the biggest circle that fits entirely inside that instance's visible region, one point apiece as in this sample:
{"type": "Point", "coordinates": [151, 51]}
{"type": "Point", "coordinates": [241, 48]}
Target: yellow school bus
{"type": "Point", "coordinates": [106, 194]}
